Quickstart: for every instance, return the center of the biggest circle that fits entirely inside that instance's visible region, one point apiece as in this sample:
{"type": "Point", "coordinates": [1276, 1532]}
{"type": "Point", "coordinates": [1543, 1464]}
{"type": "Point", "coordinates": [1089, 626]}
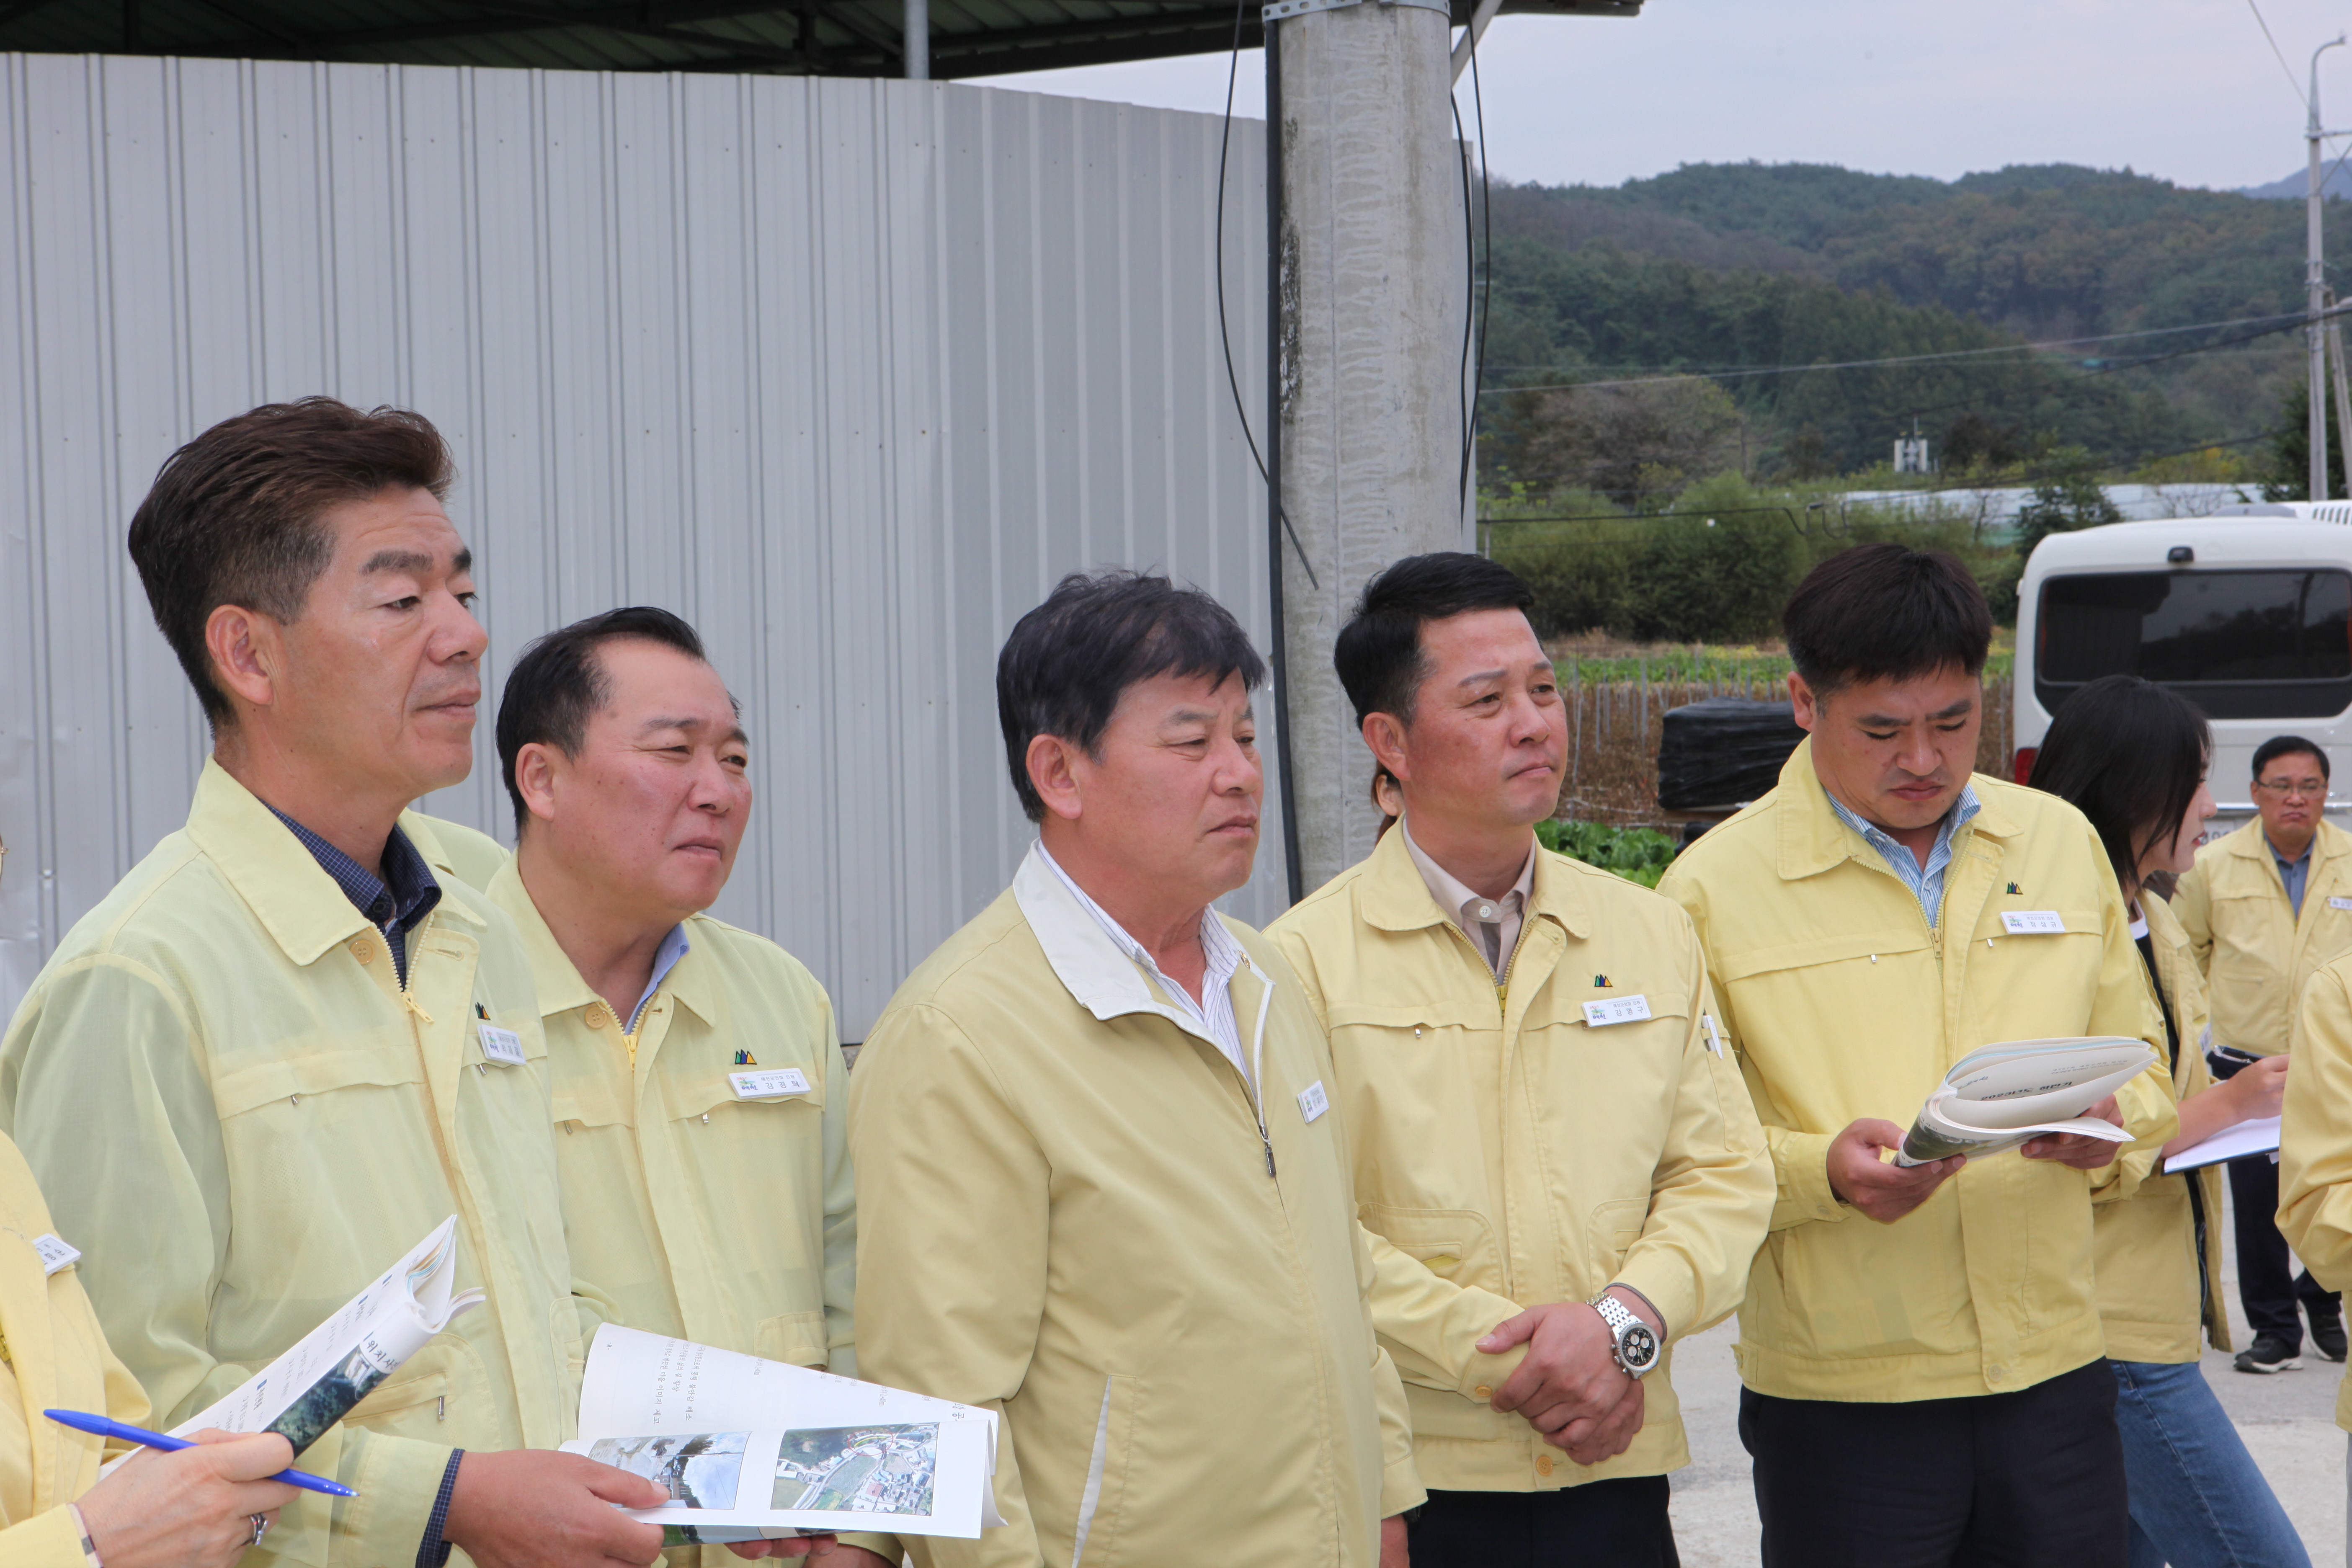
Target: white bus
{"type": "Point", "coordinates": [2247, 613]}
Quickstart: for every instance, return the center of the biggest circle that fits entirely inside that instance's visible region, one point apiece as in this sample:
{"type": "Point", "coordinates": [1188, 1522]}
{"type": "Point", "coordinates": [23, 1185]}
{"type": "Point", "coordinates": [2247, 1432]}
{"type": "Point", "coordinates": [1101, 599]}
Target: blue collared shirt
{"type": "Point", "coordinates": [395, 903]}
{"type": "Point", "coordinates": [1925, 882]}
{"type": "Point", "coordinates": [2291, 873]}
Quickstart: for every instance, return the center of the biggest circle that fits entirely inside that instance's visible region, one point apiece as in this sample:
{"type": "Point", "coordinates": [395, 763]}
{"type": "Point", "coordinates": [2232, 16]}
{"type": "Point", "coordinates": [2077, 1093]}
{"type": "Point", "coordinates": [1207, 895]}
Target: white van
{"type": "Point", "coordinates": [2248, 614]}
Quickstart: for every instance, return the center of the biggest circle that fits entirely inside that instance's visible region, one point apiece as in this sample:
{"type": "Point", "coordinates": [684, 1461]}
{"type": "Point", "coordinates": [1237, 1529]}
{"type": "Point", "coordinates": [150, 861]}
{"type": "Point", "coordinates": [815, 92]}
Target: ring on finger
{"type": "Point", "coordinates": [260, 1529]}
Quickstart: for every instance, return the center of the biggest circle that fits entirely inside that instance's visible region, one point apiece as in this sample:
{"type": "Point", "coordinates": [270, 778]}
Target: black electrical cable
{"type": "Point", "coordinates": [1294, 865]}
{"type": "Point", "coordinates": [1462, 394]}
{"type": "Point", "coordinates": [1487, 279]}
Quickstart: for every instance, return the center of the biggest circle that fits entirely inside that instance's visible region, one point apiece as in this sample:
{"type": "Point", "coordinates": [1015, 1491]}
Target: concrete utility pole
{"type": "Point", "coordinates": [2315, 289]}
{"type": "Point", "coordinates": [1372, 284]}
{"type": "Point", "coordinates": [917, 36]}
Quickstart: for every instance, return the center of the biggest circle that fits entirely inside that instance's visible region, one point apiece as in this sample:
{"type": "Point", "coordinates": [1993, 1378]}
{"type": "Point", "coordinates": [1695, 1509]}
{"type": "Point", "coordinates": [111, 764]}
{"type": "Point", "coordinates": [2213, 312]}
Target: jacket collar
{"type": "Point", "coordinates": [1097, 975]}
{"type": "Point", "coordinates": [1393, 896]}
{"type": "Point", "coordinates": [558, 980]}
{"type": "Point", "coordinates": [1814, 837]}
{"type": "Point", "coordinates": [2251, 842]}
{"type": "Point", "coordinates": [267, 867]}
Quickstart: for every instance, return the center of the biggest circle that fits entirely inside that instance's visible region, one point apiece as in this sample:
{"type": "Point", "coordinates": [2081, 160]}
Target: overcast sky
{"type": "Point", "coordinates": [2187, 89]}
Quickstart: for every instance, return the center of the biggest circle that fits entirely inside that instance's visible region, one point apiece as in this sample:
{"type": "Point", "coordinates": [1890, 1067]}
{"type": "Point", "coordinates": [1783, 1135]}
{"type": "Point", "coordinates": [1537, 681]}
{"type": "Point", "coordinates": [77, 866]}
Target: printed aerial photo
{"type": "Point", "coordinates": [859, 1469]}
{"type": "Point", "coordinates": [700, 1471]}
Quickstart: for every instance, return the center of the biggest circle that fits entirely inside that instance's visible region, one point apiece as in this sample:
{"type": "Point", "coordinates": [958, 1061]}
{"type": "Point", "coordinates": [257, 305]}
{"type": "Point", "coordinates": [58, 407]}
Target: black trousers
{"type": "Point", "coordinates": [2028, 1479]}
{"type": "Point", "coordinates": [2266, 1287]}
{"type": "Point", "coordinates": [1617, 1523]}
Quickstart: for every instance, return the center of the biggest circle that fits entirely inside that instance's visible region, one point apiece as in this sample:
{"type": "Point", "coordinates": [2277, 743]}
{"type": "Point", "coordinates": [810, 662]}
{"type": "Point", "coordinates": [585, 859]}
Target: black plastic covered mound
{"type": "Point", "coordinates": [1723, 751]}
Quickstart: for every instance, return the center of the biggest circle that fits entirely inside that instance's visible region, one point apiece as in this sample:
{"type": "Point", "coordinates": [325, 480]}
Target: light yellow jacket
{"type": "Point", "coordinates": [470, 855]}
{"type": "Point", "coordinates": [240, 1118]}
{"type": "Point", "coordinates": [1844, 1004]}
{"type": "Point", "coordinates": [56, 1358]}
{"type": "Point", "coordinates": [2145, 1241]}
{"type": "Point", "coordinates": [2256, 954]}
{"type": "Point", "coordinates": [1066, 1215]}
{"type": "Point", "coordinates": [704, 1216]}
{"type": "Point", "coordinates": [1507, 1154]}
{"type": "Point", "coordinates": [2315, 1141]}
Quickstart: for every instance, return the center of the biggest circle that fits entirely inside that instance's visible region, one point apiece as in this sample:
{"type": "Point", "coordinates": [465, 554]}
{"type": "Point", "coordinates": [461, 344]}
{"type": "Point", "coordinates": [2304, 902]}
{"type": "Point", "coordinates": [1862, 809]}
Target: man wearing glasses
{"type": "Point", "coordinates": [2266, 908]}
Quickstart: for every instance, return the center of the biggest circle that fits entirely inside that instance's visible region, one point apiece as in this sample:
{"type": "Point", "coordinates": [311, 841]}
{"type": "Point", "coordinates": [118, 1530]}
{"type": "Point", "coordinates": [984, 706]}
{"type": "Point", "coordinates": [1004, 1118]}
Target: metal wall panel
{"type": "Point", "coordinates": [847, 372]}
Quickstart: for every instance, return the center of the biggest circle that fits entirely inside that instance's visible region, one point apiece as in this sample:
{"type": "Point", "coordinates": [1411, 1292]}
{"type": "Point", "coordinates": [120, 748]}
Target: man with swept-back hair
{"type": "Point", "coordinates": [1104, 1179]}
{"type": "Point", "coordinates": [242, 1077]}
{"type": "Point", "coordinates": [1559, 1173]}
{"type": "Point", "coordinates": [699, 1093]}
{"type": "Point", "coordinates": [1926, 1381]}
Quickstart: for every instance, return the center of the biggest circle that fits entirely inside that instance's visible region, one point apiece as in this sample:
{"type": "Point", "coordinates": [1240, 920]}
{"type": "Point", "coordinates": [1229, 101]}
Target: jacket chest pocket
{"type": "Point", "coordinates": [1410, 1082]}
{"type": "Point", "coordinates": [712, 1099]}
{"type": "Point", "coordinates": [2033, 984]}
{"type": "Point", "coordinates": [1787, 997]}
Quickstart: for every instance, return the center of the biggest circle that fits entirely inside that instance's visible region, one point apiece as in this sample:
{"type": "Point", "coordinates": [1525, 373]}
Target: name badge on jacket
{"type": "Point", "coordinates": [2033, 922]}
{"type": "Point", "coordinates": [1617, 1010]}
{"type": "Point", "coordinates": [503, 1046]}
{"type": "Point", "coordinates": [769, 1083]}
{"type": "Point", "coordinates": [1312, 1101]}
{"type": "Point", "coordinates": [55, 1254]}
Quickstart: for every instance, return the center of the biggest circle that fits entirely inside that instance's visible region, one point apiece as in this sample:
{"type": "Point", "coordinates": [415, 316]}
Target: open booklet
{"type": "Point", "coordinates": [751, 1450]}
{"type": "Point", "coordinates": [2004, 1095]}
{"type": "Point", "coordinates": [337, 1363]}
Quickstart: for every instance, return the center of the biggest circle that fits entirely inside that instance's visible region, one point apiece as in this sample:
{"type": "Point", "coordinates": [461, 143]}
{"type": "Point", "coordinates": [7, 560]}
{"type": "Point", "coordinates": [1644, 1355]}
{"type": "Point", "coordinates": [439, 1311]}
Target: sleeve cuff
{"type": "Point", "coordinates": [1400, 1488]}
{"type": "Point", "coordinates": [433, 1550]}
{"type": "Point", "coordinates": [1667, 1286]}
{"type": "Point", "coordinates": [48, 1540]}
{"type": "Point", "coordinates": [886, 1547]}
{"type": "Point", "coordinates": [1800, 1166]}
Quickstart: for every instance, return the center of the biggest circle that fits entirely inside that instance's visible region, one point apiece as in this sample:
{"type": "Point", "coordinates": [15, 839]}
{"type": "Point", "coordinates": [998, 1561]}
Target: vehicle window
{"type": "Point", "coordinates": [2244, 645]}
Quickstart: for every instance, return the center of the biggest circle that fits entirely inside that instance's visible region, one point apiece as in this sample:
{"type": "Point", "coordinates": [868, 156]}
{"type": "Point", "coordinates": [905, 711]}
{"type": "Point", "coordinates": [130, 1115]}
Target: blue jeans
{"type": "Point", "coordinates": [2198, 1499]}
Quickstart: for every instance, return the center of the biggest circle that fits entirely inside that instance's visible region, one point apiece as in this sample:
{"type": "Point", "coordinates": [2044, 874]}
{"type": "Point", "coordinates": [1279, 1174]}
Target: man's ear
{"type": "Point", "coordinates": [1805, 703]}
{"type": "Point", "coordinates": [1052, 762]}
{"type": "Point", "coordinates": [247, 650]}
{"type": "Point", "coordinates": [1384, 733]}
{"type": "Point", "coordinates": [538, 768]}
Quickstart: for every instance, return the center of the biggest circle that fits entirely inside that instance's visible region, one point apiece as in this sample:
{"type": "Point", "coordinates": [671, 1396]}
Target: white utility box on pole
{"type": "Point", "coordinates": [1372, 286]}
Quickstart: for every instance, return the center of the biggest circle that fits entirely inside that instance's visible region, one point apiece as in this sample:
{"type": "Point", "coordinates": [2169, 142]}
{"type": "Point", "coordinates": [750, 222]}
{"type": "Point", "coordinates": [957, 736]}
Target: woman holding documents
{"type": "Point", "coordinates": [2131, 756]}
{"type": "Point", "coordinates": [200, 1507]}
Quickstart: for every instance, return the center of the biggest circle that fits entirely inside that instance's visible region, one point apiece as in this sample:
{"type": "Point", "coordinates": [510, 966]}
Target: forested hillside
{"type": "Point", "coordinates": [1720, 267]}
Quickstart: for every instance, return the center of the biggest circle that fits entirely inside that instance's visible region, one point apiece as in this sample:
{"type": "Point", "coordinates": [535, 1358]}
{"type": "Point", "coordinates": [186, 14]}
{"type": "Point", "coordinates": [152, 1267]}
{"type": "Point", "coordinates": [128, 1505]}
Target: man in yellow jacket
{"type": "Point", "coordinates": [1920, 1347]}
{"type": "Point", "coordinates": [281, 1051]}
{"type": "Point", "coordinates": [1551, 1152]}
{"type": "Point", "coordinates": [2314, 1168]}
{"type": "Point", "coordinates": [700, 1103]}
{"type": "Point", "coordinates": [1104, 1178]}
{"type": "Point", "coordinates": [2266, 908]}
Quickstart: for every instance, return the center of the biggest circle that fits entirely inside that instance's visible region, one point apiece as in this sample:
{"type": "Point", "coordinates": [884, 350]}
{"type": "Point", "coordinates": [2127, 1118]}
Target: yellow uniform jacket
{"type": "Point", "coordinates": [2151, 1300]}
{"type": "Point", "coordinates": [55, 1357]}
{"type": "Point", "coordinates": [241, 1116]}
{"type": "Point", "coordinates": [1843, 1003]}
{"type": "Point", "coordinates": [2315, 1141]}
{"type": "Point", "coordinates": [703, 1214]}
{"type": "Point", "coordinates": [1067, 1214]}
{"type": "Point", "coordinates": [2255, 953]}
{"type": "Point", "coordinates": [1508, 1153]}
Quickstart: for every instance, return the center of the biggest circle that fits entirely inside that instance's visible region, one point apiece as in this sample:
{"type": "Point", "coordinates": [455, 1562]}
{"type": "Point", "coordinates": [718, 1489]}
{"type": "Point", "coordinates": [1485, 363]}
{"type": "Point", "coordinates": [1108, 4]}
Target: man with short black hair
{"type": "Point", "coordinates": [2266, 908]}
{"type": "Point", "coordinates": [1560, 1172]}
{"type": "Point", "coordinates": [242, 1077]}
{"type": "Point", "coordinates": [700, 1096]}
{"type": "Point", "coordinates": [1105, 1180]}
{"type": "Point", "coordinates": [1925, 1380]}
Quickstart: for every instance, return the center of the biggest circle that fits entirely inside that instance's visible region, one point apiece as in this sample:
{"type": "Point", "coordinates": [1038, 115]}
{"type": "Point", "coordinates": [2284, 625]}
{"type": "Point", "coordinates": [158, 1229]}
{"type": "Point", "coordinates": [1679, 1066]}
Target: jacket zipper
{"type": "Point", "coordinates": [1257, 1072]}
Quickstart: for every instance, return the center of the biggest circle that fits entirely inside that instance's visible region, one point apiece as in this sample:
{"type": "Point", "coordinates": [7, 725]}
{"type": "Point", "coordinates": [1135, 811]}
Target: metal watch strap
{"type": "Point", "coordinates": [1620, 1318]}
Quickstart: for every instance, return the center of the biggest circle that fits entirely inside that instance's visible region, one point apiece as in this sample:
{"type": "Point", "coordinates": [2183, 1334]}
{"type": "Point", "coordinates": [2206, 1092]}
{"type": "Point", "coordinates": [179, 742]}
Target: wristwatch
{"type": "Point", "coordinates": [1630, 1341]}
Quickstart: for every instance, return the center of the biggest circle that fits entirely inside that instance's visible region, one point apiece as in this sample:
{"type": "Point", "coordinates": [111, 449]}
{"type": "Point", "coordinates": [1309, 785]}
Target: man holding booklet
{"type": "Point", "coordinates": [281, 1051]}
{"type": "Point", "coordinates": [1924, 1376]}
{"type": "Point", "coordinates": [701, 1102]}
{"type": "Point", "coordinates": [1104, 1179]}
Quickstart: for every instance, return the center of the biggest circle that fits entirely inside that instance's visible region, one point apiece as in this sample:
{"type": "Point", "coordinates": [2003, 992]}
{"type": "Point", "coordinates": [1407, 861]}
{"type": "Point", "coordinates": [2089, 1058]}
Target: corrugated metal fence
{"type": "Point", "coordinates": [847, 372]}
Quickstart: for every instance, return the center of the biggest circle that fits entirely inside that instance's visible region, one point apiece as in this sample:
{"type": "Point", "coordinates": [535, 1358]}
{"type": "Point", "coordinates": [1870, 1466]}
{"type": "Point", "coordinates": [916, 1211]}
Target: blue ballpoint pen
{"type": "Point", "coordinates": [100, 1426]}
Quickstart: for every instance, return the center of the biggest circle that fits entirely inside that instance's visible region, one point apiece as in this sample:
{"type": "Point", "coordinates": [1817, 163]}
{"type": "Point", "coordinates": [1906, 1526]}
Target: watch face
{"type": "Point", "coordinates": [1639, 1347]}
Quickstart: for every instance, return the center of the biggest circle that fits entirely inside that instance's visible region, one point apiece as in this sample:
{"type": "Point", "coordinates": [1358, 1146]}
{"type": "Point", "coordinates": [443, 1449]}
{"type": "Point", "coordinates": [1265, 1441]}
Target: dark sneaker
{"type": "Point", "coordinates": [2270, 1353]}
{"type": "Point", "coordinates": [2327, 1336]}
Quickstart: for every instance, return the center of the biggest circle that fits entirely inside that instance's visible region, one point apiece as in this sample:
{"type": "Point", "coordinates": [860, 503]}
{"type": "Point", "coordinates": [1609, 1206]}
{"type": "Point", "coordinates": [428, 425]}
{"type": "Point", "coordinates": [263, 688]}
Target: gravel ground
{"type": "Point", "coordinates": [2288, 1421]}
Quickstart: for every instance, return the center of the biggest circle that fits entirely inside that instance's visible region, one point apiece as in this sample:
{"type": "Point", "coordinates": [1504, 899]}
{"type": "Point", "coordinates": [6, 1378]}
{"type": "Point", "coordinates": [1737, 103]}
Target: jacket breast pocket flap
{"type": "Point", "coordinates": [1836, 949]}
{"type": "Point", "coordinates": [1437, 1013]}
{"type": "Point", "coordinates": [307, 1069]}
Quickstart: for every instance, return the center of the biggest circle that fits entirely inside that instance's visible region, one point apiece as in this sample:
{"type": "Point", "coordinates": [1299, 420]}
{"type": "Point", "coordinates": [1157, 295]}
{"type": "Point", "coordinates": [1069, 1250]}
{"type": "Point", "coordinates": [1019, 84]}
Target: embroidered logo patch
{"type": "Point", "coordinates": [745, 1059]}
{"type": "Point", "coordinates": [1600, 982]}
{"type": "Point", "coordinates": [2013, 891]}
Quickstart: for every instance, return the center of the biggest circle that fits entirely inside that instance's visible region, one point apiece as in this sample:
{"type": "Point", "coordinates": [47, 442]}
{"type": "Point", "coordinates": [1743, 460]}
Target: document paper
{"type": "Point", "coordinates": [751, 1450]}
{"type": "Point", "coordinates": [2259, 1136]}
{"type": "Point", "coordinates": [340, 1361]}
{"type": "Point", "coordinates": [2002, 1096]}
